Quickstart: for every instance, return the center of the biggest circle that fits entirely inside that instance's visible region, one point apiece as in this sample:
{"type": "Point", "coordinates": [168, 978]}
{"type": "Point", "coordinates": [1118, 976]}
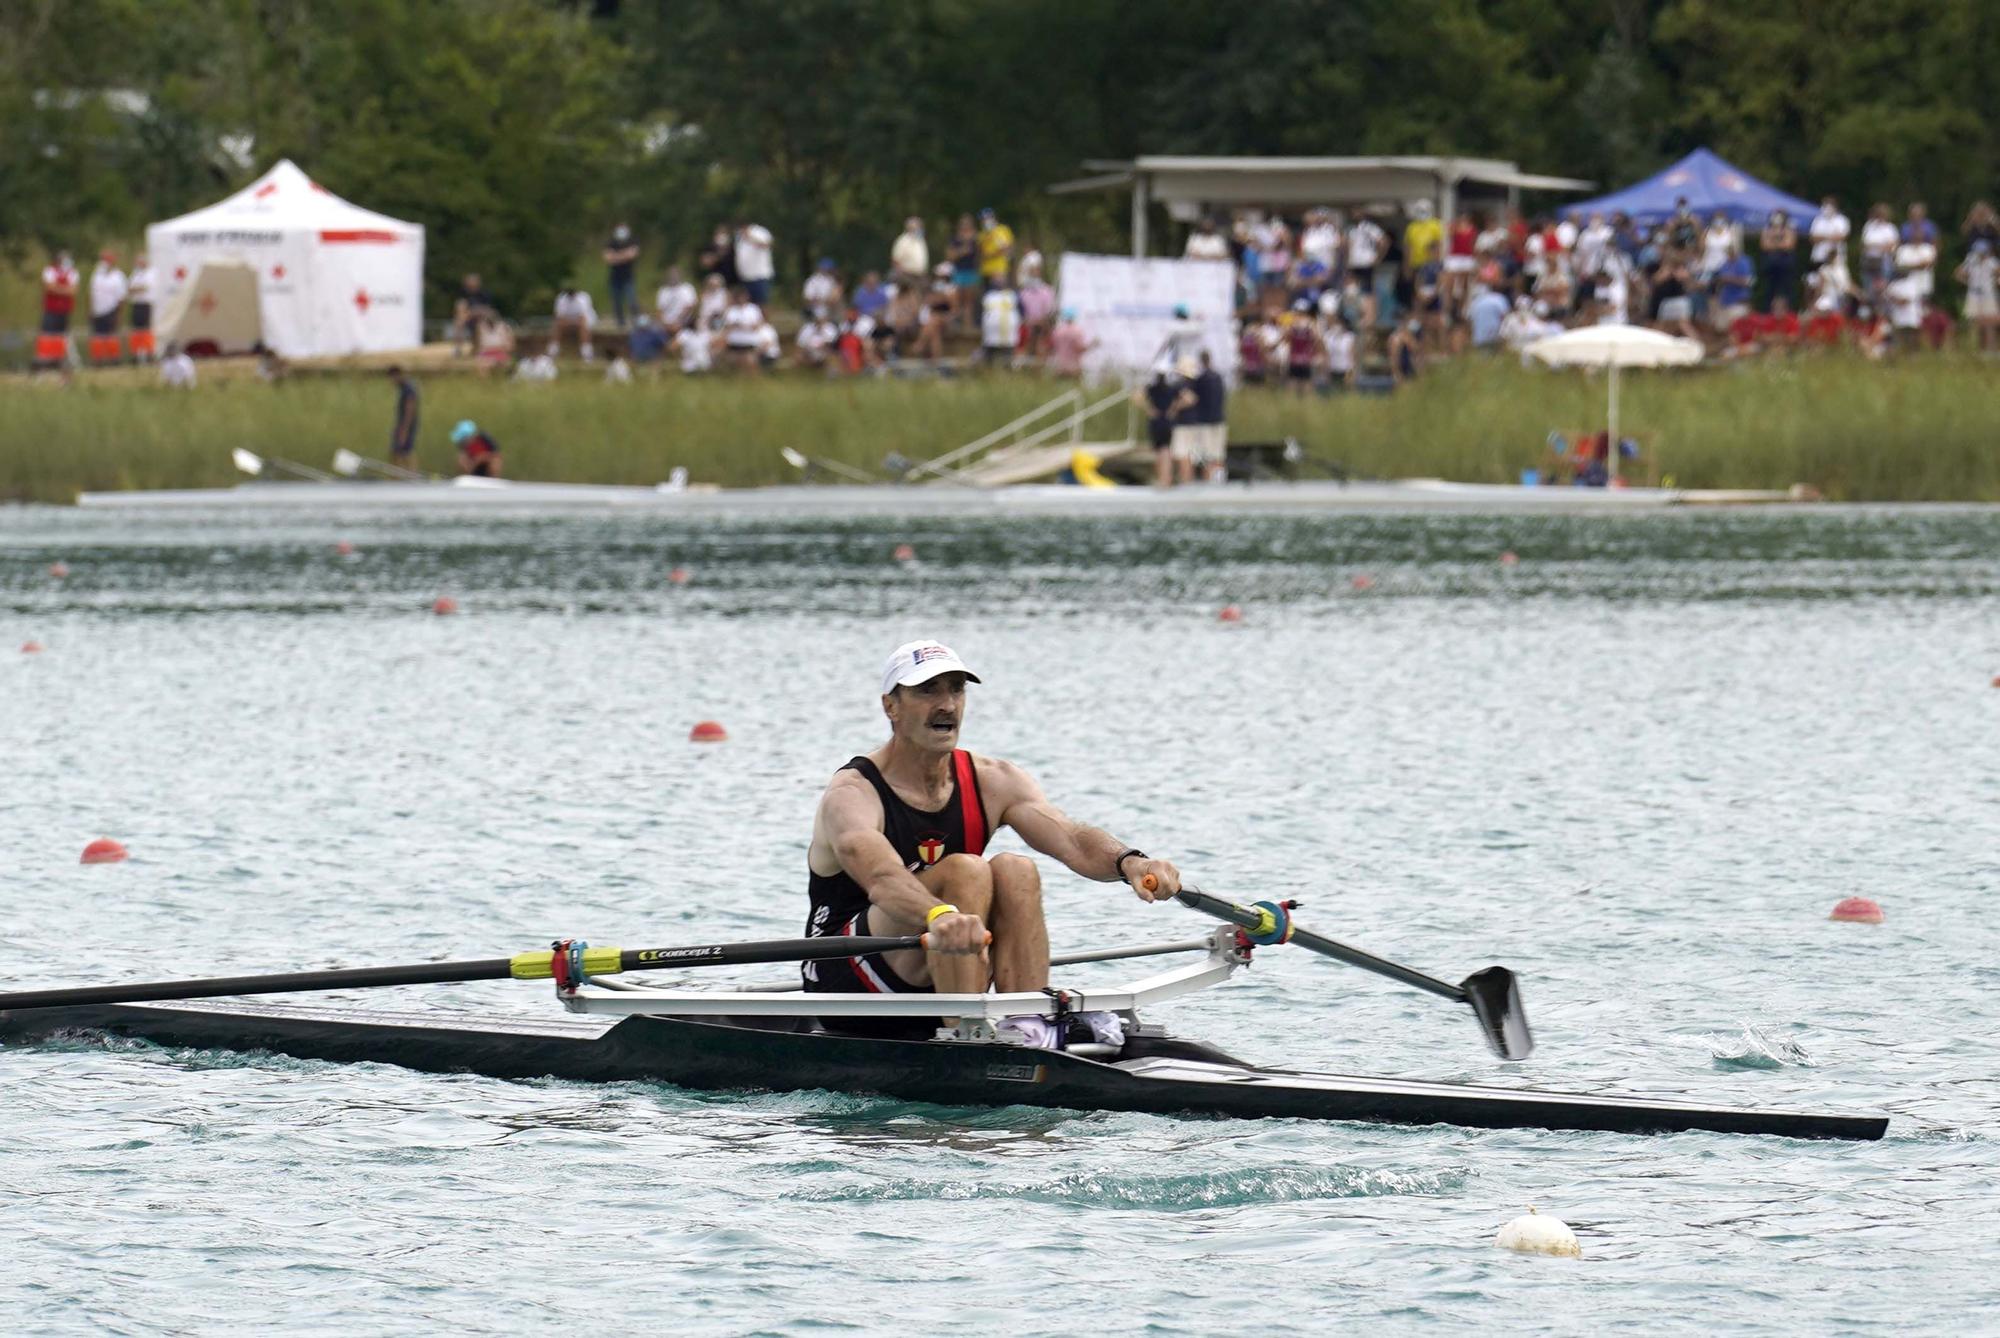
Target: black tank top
{"type": "Point", "coordinates": [920, 839]}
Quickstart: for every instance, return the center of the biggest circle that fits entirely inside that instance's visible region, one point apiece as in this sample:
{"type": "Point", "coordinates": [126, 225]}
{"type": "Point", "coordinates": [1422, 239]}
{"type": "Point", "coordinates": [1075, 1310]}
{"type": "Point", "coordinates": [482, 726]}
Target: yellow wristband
{"type": "Point", "coordinates": [942, 908]}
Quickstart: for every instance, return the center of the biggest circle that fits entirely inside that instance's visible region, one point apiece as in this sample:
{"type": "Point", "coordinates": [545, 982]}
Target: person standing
{"type": "Point", "coordinates": [1157, 398]}
{"type": "Point", "coordinates": [1981, 276]}
{"type": "Point", "coordinates": [1340, 359]}
{"type": "Point", "coordinates": [1205, 243]}
{"type": "Point", "coordinates": [139, 286]}
{"type": "Point", "coordinates": [403, 435]}
{"type": "Point", "coordinates": [996, 248]}
{"type": "Point", "coordinates": [1068, 343]}
{"type": "Point", "coordinates": [1211, 412]}
{"type": "Point", "coordinates": [1879, 238]}
{"type": "Point", "coordinates": [910, 255]}
{"type": "Point", "coordinates": [1829, 233]}
{"type": "Point", "coordinates": [999, 323]}
{"type": "Point", "coordinates": [59, 281]}
{"type": "Point", "coordinates": [754, 269]}
{"type": "Point", "coordinates": [963, 254]}
{"type": "Point", "coordinates": [620, 258]}
{"type": "Point", "coordinates": [107, 295]}
{"type": "Point", "coordinates": [1777, 250]}
{"type": "Point", "coordinates": [718, 258]}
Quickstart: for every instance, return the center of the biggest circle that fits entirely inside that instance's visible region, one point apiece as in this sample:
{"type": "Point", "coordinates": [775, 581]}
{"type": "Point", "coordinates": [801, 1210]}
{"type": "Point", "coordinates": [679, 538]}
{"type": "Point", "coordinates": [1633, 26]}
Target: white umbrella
{"type": "Point", "coordinates": [1613, 347]}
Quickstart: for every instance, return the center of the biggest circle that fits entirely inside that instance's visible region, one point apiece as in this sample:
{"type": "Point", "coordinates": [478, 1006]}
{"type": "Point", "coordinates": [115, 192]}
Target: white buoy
{"type": "Point", "coordinates": [1535, 1234]}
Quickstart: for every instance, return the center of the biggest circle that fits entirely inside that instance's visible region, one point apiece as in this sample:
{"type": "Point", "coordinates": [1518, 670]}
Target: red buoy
{"type": "Point", "coordinates": [679, 575]}
{"type": "Point", "coordinates": [905, 553]}
{"type": "Point", "coordinates": [1229, 614]}
{"type": "Point", "coordinates": [343, 549]}
{"type": "Point", "coordinates": [1509, 558]}
{"type": "Point", "coordinates": [708, 731]}
{"type": "Point", "coordinates": [1857, 911]}
{"type": "Point", "coordinates": [31, 648]}
{"type": "Point", "coordinates": [103, 850]}
{"type": "Point", "coordinates": [59, 569]}
{"type": "Point", "coordinates": [444, 604]}
{"type": "Point", "coordinates": [1363, 582]}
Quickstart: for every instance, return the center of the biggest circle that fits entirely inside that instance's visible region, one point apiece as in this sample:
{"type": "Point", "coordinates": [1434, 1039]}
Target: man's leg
{"type": "Point", "coordinates": [965, 881]}
{"type": "Point", "coordinates": [1020, 933]}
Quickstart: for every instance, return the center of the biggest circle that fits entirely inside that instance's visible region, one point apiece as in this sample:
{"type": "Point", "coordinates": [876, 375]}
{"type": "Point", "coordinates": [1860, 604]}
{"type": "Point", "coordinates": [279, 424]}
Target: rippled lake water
{"type": "Point", "coordinates": [1638, 766]}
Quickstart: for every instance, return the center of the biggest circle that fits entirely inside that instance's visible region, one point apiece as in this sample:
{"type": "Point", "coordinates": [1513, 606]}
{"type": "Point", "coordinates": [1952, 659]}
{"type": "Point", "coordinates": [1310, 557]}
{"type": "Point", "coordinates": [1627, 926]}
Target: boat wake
{"type": "Point", "coordinates": [1196, 1190]}
{"type": "Point", "coordinates": [1752, 1049]}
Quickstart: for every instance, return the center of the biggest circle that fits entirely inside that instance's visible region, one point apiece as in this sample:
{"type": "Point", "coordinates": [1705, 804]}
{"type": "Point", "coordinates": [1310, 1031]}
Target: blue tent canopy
{"type": "Point", "coordinates": [1710, 186]}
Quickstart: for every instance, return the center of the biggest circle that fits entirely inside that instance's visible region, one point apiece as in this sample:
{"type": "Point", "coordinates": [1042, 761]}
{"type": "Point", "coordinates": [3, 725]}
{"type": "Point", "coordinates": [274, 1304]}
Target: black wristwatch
{"type": "Point", "coordinates": [1118, 865]}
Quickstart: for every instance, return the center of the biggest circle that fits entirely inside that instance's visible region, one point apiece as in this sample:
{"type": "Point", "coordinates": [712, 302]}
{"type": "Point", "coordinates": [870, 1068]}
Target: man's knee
{"type": "Point", "coordinates": [967, 882]}
{"type": "Point", "coordinates": [1017, 882]}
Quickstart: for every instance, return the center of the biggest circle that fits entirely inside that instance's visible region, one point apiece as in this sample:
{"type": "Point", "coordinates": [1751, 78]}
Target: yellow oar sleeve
{"type": "Point", "coordinates": [540, 965]}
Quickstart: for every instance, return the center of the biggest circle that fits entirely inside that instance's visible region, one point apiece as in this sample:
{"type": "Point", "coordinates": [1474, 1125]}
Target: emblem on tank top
{"type": "Point", "coordinates": [931, 849]}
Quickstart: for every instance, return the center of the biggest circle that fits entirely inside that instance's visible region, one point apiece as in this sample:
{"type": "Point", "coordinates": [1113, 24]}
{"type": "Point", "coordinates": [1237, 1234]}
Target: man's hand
{"type": "Point", "coordinates": [959, 934]}
{"type": "Point", "coordinates": [1166, 879]}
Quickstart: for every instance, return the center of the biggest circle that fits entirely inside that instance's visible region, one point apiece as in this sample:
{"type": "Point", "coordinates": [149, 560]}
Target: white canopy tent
{"type": "Point", "coordinates": [1612, 347]}
{"type": "Point", "coordinates": [331, 277]}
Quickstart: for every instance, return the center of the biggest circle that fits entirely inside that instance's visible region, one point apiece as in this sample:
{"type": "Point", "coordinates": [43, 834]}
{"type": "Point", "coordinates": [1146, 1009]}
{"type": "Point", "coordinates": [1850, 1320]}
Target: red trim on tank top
{"type": "Point", "coordinates": [971, 806]}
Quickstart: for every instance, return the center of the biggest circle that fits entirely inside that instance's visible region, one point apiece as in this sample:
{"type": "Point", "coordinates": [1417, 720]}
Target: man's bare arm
{"type": "Point", "coordinates": [849, 823]}
{"type": "Point", "coordinates": [1087, 850]}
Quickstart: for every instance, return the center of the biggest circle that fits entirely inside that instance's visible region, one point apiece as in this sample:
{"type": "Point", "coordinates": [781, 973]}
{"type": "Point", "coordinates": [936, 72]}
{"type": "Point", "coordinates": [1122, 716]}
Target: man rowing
{"type": "Point", "coordinates": [898, 848]}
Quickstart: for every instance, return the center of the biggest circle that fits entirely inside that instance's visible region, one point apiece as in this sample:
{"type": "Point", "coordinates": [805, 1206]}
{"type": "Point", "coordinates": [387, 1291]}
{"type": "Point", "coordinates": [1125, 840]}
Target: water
{"type": "Point", "coordinates": [1638, 767]}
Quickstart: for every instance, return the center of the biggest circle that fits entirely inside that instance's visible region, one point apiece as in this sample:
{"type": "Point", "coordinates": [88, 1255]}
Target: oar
{"type": "Point", "coordinates": [522, 966]}
{"type": "Point", "coordinates": [807, 466]}
{"type": "Point", "coordinates": [1493, 994]}
{"type": "Point", "coordinates": [349, 465]}
{"type": "Point", "coordinates": [253, 464]}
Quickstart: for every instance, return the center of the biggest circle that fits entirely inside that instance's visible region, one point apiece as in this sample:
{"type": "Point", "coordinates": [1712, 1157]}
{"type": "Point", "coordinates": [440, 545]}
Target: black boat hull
{"type": "Point", "coordinates": [1158, 1075]}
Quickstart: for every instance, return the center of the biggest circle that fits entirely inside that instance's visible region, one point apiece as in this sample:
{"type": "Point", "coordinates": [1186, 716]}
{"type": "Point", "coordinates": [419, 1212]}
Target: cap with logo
{"type": "Point", "coordinates": [916, 662]}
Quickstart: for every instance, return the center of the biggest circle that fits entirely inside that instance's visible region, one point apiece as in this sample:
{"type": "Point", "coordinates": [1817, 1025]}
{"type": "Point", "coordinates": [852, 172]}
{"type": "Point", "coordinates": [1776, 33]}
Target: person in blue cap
{"type": "Point", "coordinates": [478, 453]}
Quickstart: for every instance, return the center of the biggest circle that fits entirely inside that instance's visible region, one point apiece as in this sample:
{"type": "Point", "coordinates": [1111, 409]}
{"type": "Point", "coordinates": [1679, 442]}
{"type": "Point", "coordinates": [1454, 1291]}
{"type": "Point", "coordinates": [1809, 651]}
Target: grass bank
{"type": "Point", "coordinates": [1917, 430]}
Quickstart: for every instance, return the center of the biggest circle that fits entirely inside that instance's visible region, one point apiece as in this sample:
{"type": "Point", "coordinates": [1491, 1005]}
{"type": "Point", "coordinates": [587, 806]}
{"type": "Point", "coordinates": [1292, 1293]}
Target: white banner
{"type": "Point", "coordinates": [1127, 305]}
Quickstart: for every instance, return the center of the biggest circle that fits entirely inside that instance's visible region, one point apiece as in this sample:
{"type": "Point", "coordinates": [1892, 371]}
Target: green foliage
{"type": "Point", "coordinates": [518, 130]}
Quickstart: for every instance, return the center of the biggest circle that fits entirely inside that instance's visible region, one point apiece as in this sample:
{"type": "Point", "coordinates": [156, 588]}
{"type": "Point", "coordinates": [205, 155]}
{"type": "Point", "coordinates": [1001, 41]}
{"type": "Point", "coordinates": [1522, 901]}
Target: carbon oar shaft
{"type": "Point", "coordinates": [1251, 918]}
{"type": "Point", "coordinates": [521, 966]}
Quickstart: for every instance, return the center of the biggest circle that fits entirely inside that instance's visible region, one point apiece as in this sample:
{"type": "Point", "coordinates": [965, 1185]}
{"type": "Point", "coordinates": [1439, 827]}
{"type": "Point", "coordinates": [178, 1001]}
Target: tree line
{"type": "Point", "coordinates": [517, 131]}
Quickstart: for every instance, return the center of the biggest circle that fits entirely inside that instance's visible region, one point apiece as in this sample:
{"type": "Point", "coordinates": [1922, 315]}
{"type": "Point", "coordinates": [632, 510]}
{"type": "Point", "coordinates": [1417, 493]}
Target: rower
{"type": "Point", "coordinates": [478, 453]}
{"type": "Point", "coordinates": [898, 847]}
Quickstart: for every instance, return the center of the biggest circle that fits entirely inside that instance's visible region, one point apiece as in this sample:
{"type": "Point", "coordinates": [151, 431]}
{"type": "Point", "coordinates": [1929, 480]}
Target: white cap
{"type": "Point", "coordinates": [916, 662]}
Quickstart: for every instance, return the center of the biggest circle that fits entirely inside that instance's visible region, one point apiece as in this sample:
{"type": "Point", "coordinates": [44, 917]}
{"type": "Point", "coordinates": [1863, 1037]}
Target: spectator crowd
{"type": "Point", "coordinates": [1325, 296]}
{"type": "Point", "coordinates": [979, 289]}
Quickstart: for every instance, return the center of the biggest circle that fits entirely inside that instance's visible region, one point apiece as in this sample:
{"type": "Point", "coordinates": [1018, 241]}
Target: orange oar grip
{"type": "Point", "coordinates": [1150, 883]}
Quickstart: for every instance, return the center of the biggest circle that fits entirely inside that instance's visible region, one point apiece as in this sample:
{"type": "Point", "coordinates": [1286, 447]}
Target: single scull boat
{"type": "Point", "coordinates": [773, 1039]}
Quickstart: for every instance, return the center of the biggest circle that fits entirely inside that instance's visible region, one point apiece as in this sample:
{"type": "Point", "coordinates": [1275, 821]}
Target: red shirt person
{"type": "Point", "coordinates": [59, 280]}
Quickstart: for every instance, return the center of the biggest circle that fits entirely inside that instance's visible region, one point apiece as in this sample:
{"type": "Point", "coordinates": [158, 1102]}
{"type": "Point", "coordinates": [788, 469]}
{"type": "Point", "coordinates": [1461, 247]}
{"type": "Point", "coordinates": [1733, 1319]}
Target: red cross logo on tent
{"type": "Point", "coordinates": [206, 303]}
{"type": "Point", "coordinates": [361, 300]}
{"type": "Point", "coordinates": [277, 271]}
{"type": "Point", "coordinates": [268, 188]}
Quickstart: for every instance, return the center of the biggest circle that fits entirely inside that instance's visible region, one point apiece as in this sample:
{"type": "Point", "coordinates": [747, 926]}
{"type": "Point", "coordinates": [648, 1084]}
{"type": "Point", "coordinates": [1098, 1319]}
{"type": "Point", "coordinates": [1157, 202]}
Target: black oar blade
{"type": "Point", "coordinates": [1495, 996]}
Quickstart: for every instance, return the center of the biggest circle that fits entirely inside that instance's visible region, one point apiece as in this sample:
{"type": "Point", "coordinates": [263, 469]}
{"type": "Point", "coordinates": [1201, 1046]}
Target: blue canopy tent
{"type": "Point", "coordinates": [1710, 186]}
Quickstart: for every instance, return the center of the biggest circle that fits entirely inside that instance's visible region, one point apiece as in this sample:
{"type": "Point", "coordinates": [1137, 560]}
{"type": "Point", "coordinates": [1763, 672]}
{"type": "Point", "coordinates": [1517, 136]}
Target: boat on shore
{"type": "Point", "coordinates": [1310, 495]}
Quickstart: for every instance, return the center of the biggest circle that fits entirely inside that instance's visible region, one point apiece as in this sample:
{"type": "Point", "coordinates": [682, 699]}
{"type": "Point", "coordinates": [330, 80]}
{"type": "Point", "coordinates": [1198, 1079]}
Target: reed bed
{"type": "Point", "coordinates": [1914, 430]}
